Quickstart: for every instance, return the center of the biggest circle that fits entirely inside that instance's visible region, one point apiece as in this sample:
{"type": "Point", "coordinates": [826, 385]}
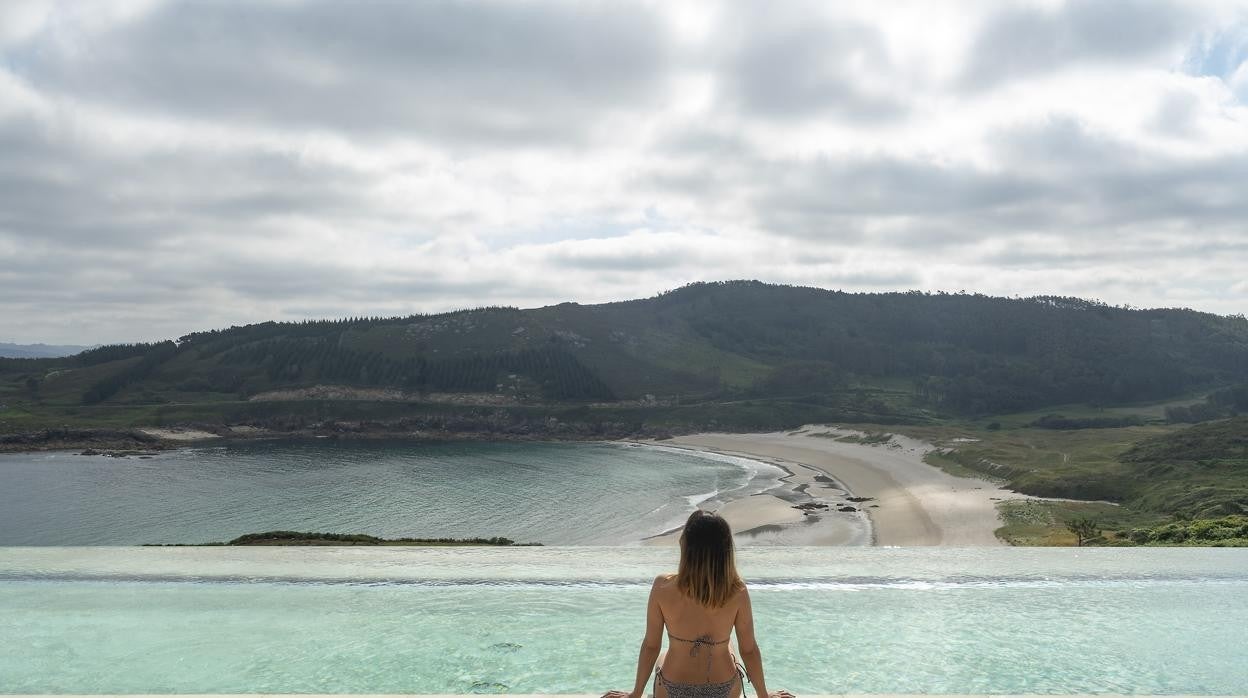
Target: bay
{"type": "Point", "coordinates": [549, 493]}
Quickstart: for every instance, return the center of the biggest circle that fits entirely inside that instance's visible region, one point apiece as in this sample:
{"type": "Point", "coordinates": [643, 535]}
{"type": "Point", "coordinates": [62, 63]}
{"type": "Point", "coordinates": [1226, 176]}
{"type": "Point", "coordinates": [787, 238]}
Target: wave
{"type": "Point", "coordinates": [757, 477]}
{"type": "Point", "coordinates": [695, 499]}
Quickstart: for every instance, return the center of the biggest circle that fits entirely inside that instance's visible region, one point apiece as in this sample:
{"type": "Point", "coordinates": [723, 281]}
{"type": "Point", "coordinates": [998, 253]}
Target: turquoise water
{"type": "Point", "coordinates": [554, 620]}
{"type": "Point", "coordinates": [551, 493]}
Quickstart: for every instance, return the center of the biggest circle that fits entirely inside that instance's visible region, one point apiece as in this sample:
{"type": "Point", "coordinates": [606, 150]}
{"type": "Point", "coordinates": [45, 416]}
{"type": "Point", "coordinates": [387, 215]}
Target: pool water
{"type": "Point", "coordinates": [568, 620]}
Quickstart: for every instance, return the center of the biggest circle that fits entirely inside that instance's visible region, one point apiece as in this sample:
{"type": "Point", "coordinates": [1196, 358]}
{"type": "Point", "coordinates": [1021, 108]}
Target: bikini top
{"type": "Point", "coordinates": [698, 643]}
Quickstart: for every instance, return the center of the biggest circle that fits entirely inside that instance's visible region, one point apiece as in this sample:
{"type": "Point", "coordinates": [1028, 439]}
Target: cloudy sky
{"type": "Point", "coordinates": [173, 166]}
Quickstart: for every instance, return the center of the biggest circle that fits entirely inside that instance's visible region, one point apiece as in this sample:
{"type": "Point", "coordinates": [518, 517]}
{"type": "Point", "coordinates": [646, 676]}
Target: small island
{"type": "Point", "coordinates": [310, 539]}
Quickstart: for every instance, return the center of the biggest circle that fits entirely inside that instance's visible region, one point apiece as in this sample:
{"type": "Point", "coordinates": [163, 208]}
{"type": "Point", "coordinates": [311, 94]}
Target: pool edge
{"type": "Point", "coordinates": [598, 695]}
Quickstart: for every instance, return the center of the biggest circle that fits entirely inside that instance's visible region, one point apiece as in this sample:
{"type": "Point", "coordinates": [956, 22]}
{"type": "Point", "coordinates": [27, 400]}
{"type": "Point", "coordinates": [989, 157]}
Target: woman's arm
{"type": "Point", "coordinates": [750, 654]}
{"type": "Point", "coordinates": [651, 644]}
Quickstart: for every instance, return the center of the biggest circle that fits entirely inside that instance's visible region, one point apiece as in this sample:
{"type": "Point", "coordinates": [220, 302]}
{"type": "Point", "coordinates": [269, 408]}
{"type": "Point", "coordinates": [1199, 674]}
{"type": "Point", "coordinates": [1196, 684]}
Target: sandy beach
{"type": "Point", "coordinates": [907, 501]}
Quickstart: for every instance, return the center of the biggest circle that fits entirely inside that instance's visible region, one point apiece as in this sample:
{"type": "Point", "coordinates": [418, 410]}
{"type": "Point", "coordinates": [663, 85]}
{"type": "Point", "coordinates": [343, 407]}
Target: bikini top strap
{"type": "Point", "coordinates": [698, 643]}
{"type": "Point", "coordinates": [700, 640]}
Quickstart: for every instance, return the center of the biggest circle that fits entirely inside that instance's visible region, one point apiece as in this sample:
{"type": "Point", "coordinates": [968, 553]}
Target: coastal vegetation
{"type": "Point", "coordinates": [1048, 523]}
{"type": "Point", "coordinates": [870, 438]}
{"type": "Point", "coordinates": [1219, 404]}
{"type": "Point", "coordinates": [1057, 421]}
{"type": "Point", "coordinates": [1030, 522]}
{"type": "Point", "coordinates": [1227, 531]}
{"type": "Point", "coordinates": [1136, 478]}
{"type": "Point", "coordinates": [1086, 529]}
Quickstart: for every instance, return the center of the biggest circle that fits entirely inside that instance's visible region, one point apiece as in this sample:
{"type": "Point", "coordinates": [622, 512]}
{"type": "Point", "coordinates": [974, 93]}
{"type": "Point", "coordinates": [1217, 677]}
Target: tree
{"type": "Point", "coordinates": [1085, 528]}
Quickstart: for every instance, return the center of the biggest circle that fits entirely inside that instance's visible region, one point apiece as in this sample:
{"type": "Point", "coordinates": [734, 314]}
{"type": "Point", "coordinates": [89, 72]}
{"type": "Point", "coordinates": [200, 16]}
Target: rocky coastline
{"type": "Point", "coordinates": [111, 442]}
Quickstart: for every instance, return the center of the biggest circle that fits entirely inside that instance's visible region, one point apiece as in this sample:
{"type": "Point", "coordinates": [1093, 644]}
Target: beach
{"type": "Point", "coordinates": [906, 501]}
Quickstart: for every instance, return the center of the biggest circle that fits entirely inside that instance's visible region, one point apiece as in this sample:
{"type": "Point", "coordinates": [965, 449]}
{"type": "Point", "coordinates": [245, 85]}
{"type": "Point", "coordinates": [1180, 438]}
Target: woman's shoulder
{"type": "Point", "coordinates": [664, 583]}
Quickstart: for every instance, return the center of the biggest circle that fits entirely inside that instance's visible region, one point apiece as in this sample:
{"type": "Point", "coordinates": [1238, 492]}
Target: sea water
{"type": "Point", "coordinates": [550, 493]}
{"type": "Point", "coordinates": [569, 619]}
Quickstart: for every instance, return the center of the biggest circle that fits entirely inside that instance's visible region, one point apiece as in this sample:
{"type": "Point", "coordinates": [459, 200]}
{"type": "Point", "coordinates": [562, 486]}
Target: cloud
{"type": "Point", "coordinates": [472, 71]}
{"type": "Point", "coordinates": [637, 252]}
{"type": "Point", "coordinates": [1238, 82]}
{"type": "Point", "coordinates": [885, 186]}
{"type": "Point", "coordinates": [175, 166]}
{"type": "Point", "coordinates": [1022, 40]}
{"type": "Point", "coordinates": [78, 195]}
{"type": "Point", "coordinates": [792, 67]}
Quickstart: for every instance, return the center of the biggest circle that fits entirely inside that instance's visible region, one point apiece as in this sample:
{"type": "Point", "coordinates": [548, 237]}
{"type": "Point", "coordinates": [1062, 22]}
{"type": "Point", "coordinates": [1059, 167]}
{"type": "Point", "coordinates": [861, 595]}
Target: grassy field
{"type": "Point", "coordinates": [1044, 522]}
{"type": "Point", "coordinates": [1148, 412]}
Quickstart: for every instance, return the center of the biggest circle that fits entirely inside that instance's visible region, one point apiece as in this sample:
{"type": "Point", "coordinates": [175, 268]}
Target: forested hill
{"type": "Point", "coordinates": [713, 341]}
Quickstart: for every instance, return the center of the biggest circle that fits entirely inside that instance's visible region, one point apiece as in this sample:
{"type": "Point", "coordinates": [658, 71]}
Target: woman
{"type": "Point", "coordinates": [700, 605]}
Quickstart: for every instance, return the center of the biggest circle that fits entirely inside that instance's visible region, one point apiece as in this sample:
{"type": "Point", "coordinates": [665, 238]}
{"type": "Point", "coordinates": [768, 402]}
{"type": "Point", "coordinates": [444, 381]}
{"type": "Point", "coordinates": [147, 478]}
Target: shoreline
{"type": "Point", "coordinates": [907, 502]}
{"type": "Point", "coordinates": [806, 508]}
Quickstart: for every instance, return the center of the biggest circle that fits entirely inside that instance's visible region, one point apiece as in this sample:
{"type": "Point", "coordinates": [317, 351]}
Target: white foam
{"type": "Point", "coordinates": [757, 477]}
{"type": "Point", "coordinates": [696, 499]}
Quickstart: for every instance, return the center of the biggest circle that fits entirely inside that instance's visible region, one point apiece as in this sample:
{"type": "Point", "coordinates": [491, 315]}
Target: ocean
{"type": "Point", "coordinates": [548, 493]}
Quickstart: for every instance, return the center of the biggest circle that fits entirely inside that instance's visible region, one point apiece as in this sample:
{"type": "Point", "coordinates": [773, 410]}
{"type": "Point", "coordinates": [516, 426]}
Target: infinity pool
{"type": "Point", "coordinates": [568, 620]}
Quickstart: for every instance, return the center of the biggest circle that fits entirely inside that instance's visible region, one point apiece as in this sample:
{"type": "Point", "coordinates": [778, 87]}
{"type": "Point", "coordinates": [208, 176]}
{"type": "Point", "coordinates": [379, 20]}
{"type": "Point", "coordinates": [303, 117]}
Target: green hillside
{"type": "Point", "coordinates": [910, 354]}
{"type": "Point", "coordinates": [1199, 472]}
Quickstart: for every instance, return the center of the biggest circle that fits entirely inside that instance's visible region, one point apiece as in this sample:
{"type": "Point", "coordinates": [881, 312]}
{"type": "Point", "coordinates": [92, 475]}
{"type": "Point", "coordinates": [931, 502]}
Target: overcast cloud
{"type": "Point", "coordinates": [168, 167]}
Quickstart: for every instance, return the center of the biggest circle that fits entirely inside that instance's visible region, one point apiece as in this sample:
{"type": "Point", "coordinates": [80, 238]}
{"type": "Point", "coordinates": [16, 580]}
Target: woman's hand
{"type": "Point", "coordinates": [780, 694]}
{"type": "Point", "coordinates": [619, 694]}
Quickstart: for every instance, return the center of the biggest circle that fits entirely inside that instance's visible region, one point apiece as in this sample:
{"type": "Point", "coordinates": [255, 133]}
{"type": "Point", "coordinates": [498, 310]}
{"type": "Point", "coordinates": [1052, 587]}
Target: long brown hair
{"type": "Point", "coordinates": [708, 566]}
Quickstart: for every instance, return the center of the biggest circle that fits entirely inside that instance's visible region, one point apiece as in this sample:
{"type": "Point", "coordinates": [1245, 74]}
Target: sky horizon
{"type": "Point", "coordinates": [173, 166]}
{"type": "Point", "coordinates": [464, 308]}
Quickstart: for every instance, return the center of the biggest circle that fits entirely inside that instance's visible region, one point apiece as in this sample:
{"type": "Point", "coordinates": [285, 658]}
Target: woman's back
{"type": "Point", "coordinates": [698, 650]}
